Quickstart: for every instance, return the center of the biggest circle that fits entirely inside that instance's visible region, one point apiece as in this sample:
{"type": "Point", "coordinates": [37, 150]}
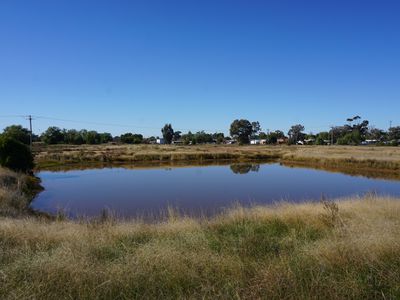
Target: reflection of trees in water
{"type": "Point", "coordinates": [244, 168]}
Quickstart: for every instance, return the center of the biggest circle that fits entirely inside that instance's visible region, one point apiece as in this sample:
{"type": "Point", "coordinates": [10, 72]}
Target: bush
{"type": "Point", "coordinates": [18, 133]}
{"type": "Point", "coordinates": [353, 138]}
{"type": "Point", "coordinates": [15, 155]}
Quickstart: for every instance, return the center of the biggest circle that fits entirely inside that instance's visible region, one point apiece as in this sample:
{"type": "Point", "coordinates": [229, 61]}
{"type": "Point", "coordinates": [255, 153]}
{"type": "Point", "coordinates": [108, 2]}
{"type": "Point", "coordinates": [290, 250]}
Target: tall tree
{"type": "Point", "coordinates": [218, 137]}
{"type": "Point", "coordinates": [177, 136]}
{"type": "Point", "coordinates": [376, 134]}
{"type": "Point", "coordinates": [53, 135]}
{"type": "Point", "coordinates": [394, 133]}
{"type": "Point", "coordinates": [296, 133]}
{"type": "Point", "coordinates": [168, 133]}
{"type": "Point", "coordinates": [241, 130]}
{"type": "Point", "coordinates": [255, 128]}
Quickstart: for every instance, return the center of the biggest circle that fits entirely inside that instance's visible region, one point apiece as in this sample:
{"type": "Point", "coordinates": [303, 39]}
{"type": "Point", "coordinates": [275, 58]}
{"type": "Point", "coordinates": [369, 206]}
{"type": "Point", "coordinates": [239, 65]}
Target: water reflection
{"type": "Point", "coordinates": [196, 190]}
{"type": "Point", "coordinates": [234, 165]}
{"type": "Point", "coordinates": [244, 168]}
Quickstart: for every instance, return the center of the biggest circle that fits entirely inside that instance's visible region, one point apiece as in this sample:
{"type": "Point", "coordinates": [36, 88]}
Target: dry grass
{"type": "Point", "coordinates": [16, 192]}
{"type": "Point", "coordinates": [325, 251]}
{"type": "Point", "coordinates": [372, 158]}
{"type": "Point", "coordinates": [56, 154]}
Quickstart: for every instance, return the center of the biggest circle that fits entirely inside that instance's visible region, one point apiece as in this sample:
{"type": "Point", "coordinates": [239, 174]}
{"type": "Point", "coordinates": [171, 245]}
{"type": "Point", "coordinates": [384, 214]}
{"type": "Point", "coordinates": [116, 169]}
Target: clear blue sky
{"type": "Point", "coordinates": [199, 64]}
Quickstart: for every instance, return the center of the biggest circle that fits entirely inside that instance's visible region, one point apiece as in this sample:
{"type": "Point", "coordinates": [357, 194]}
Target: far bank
{"type": "Point", "coordinates": [367, 158]}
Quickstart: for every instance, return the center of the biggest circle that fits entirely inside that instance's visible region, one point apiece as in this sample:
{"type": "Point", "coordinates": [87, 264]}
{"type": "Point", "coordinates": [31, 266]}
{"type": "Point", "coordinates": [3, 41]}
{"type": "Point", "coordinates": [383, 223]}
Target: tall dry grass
{"type": "Point", "coordinates": [16, 192]}
{"type": "Point", "coordinates": [347, 249]}
{"type": "Point", "coordinates": [46, 156]}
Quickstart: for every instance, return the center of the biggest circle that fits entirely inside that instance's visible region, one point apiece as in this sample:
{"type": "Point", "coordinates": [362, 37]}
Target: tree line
{"type": "Point", "coordinates": [15, 139]}
{"type": "Point", "coordinates": [354, 132]}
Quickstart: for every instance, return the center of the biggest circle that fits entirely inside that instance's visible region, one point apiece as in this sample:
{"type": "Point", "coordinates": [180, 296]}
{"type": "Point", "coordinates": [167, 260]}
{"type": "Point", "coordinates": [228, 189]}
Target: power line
{"type": "Point", "coordinates": [102, 123]}
{"type": "Point", "coordinates": [12, 116]}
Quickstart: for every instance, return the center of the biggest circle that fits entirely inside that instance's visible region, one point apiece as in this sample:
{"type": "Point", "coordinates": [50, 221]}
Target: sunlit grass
{"type": "Point", "coordinates": [286, 251]}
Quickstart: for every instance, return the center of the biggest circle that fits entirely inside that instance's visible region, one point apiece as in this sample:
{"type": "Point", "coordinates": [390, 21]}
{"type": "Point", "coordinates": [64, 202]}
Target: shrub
{"type": "Point", "coordinates": [18, 133]}
{"type": "Point", "coordinates": [15, 155]}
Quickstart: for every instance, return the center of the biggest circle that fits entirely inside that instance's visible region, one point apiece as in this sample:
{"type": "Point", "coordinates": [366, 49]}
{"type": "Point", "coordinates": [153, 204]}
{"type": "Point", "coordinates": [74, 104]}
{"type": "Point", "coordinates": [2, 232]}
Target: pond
{"type": "Point", "coordinates": [196, 190]}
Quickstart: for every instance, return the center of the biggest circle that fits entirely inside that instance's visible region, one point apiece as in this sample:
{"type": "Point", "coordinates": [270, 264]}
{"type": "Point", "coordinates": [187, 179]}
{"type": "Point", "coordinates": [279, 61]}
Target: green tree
{"type": "Point", "coordinates": [130, 138]}
{"type": "Point", "coordinates": [202, 137]}
{"type": "Point", "coordinates": [73, 136]}
{"type": "Point", "coordinates": [296, 133]}
{"type": "Point", "coordinates": [177, 136]}
{"type": "Point", "coordinates": [168, 133]}
{"type": "Point", "coordinates": [376, 134]}
{"type": "Point", "coordinates": [105, 137]}
{"type": "Point", "coordinates": [263, 136]}
{"type": "Point", "coordinates": [92, 137]}
{"type": "Point", "coordinates": [241, 130]}
{"type": "Point", "coordinates": [53, 135]}
{"type": "Point", "coordinates": [17, 132]}
{"type": "Point", "coordinates": [255, 128]}
{"type": "Point", "coordinates": [15, 155]}
{"type": "Point", "coordinates": [273, 136]}
{"type": "Point", "coordinates": [321, 138]}
{"type": "Point", "coordinates": [351, 138]}
{"type": "Point", "coordinates": [394, 133]}
{"type": "Point", "coordinates": [218, 137]}
{"type": "Point", "coordinates": [126, 138]}
{"type": "Point", "coordinates": [188, 138]}
{"type": "Point", "coordinates": [137, 138]}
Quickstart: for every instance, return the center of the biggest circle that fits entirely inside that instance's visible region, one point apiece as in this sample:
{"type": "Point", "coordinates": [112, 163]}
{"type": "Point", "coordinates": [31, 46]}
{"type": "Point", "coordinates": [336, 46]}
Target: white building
{"type": "Point", "coordinates": [160, 141]}
{"type": "Point", "coordinates": [258, 142]}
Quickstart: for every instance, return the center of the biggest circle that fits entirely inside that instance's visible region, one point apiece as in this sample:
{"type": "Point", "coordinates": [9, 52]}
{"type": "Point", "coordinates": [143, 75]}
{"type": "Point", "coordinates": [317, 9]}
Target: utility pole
{"type": "Point", "coordinates": [331, 135]}
{"type": "Point", "coordinates": [390, 124]}
{"type": "Point", "coordinates": [30, 131]}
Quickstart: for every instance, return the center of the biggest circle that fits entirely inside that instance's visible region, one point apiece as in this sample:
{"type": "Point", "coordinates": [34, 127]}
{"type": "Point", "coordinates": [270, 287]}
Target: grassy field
{"type": "Point", "coordinates": [328, 250]}
{"type": "Point", "coordinates": [287, 252]}
{"type": "Point", "coordinates": [381, 159]}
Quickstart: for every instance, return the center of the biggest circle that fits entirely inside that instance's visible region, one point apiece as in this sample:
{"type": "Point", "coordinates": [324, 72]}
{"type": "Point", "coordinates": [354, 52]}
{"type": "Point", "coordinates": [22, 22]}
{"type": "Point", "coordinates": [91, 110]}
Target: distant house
{"type": "Point", "coordinates": [255, 142]}
{"type": "Point", "coordinates": [160, 141]}
{"type": "Point", "coordinates": [309, 141]}
{"type": "Point", "coordinates": [369, 142]}
{"type": "Point", "coordinates": [258, 142]}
